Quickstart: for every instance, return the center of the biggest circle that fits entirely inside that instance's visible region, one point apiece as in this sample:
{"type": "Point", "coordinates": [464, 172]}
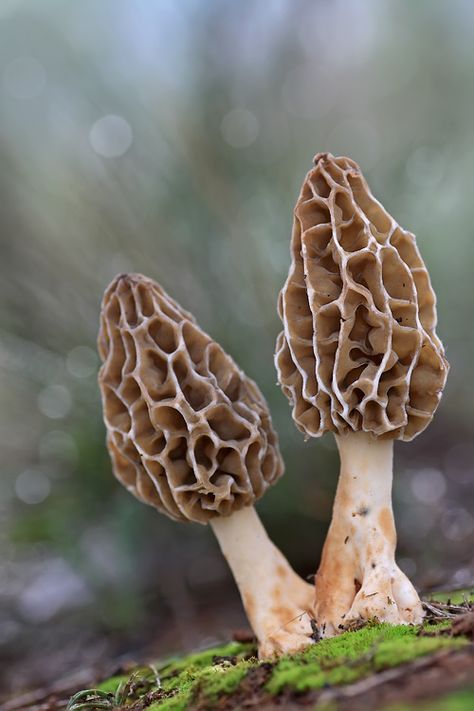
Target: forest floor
{"type": "Point", "coordinates": [430, 668]}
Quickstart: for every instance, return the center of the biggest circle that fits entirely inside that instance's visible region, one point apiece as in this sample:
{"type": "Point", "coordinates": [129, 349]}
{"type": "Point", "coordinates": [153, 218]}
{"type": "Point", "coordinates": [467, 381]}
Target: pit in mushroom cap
{"type": "Point", "coordinates": [187, 430]}
{"type": "Point", "coordinates": [359, 349]}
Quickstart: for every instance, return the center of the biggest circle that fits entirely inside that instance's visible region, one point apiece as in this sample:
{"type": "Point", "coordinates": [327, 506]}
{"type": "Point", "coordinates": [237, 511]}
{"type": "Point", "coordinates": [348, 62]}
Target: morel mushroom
{"type": "Point", "coordinates": [359, 357]}
{"type": "Point", "coordinates": [191, 435]}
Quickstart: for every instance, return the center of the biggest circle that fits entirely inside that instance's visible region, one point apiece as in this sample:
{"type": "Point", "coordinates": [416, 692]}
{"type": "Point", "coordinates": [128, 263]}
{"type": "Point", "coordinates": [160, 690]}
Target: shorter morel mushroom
{"type": "Point", "coordinates": [191, 435]}
{"type": "Point", "coordinates": [358, 356]}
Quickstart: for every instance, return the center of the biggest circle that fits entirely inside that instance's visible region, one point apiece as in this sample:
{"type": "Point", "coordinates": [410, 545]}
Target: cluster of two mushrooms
{"type": "Point", "coordinates": [190, 433]}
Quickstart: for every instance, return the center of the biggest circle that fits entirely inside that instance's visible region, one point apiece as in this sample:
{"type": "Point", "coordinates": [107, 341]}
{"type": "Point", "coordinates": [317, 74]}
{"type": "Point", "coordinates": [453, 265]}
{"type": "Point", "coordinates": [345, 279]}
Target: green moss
{"type": "Point", "coordinates": [353, 655]}
{"type": "Point", "coordinates": [182, 678]}
{"type": "Point", "coordinates": [221, 681]}
{"type": "Point", "coordinates": [202, 659]}
{"type": "Point", "coordinates": [432, 627]}
{"type": "Point", "coordinates": [111, 685]}
{"type": "Point", "coordinates": [457, 597]}
{"type": "Point", "coordinates": [179, 702]}
{"type": "Point", "coordinates": [395, 652]}
{"type": "Point", "coordinates": [197, 674]}
{"type": "Point", "coordinates": [214, 673]}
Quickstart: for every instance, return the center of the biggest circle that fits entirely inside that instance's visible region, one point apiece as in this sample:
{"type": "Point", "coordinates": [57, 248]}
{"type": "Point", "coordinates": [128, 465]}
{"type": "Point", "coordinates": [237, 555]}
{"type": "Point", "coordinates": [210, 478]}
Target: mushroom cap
{"type": "Point", "coordinates": [359, 351]}
{"type": "Point", "coordinates": [187, 431]}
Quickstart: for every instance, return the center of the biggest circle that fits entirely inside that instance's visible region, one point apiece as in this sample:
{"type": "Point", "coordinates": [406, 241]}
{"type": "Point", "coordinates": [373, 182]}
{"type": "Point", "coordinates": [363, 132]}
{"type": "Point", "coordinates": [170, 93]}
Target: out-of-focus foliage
{"type": "Point", "coordinates": [171, 138]}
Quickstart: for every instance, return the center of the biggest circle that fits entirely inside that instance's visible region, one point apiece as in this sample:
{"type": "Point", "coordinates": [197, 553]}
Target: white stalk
{"type": "Point", "coordinates": [277, 601]}
{"type": "Point", "coordinates": [358, 578]}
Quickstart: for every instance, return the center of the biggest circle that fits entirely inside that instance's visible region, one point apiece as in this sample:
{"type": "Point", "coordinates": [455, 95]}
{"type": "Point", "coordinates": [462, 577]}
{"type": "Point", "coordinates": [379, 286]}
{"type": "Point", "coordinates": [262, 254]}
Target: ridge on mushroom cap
{"type": "Point", "coordinates": [359, 349]}
{"type": "Point", "coordinates": [188, 432]}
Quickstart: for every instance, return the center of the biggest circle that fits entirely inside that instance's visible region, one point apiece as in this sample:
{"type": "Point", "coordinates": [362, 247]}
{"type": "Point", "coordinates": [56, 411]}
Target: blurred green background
{"type": "Point", "coordinates": [171, 138]}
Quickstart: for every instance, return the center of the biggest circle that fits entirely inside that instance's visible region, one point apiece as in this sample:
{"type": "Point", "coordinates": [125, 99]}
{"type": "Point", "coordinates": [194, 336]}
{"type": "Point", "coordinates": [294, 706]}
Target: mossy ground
{"type": "Point", "coordinates": [353, 655]}
{"type": "Point", "coordinates": [456, 598]}
{"type": "Point", "coordinates": [204, 680]}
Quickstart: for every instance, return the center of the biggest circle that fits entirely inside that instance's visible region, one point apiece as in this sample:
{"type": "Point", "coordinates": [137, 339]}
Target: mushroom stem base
{"type": "Point", "coordinates": [277, 601]}
{"type": "Point", "coordinates": [358, 578]}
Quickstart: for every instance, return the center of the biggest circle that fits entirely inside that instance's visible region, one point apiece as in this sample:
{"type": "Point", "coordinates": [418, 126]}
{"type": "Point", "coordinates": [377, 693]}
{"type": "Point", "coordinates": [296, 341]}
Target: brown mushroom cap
{"type": "Point", "coordinates": [359, 349]}
{"type": "Point", "coordinates": [187, 431]}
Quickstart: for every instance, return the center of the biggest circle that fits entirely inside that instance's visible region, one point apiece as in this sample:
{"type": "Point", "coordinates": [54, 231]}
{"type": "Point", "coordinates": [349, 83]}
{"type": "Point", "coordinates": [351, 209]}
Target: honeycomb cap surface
{"type": "Point", "coordinates": [358, 350]}
{"type": "Point", "coordinates": [187, 431]}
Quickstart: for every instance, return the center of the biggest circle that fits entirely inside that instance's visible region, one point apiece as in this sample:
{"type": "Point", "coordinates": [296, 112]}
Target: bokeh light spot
{"type": "Point", "coordinates": [81, 361]}
{"type": "Point", "coordinates": [55, 588]}
{"type": "Point", "coordinates": [239, 128]}
{"type": "Point", "coordinates": [55, 401]}
{"type": "Point", "coordinates": [459, 463]}
{"type": "Point", "coordinates": [111, 136]}
{"type": "Point", "coordinates": [457, 524]}
{"type": "Point", "coordinates": [32, 486]}
{"type": "Point", "coordinates": [428, 485]}
{"type": "Point", "coordinates": [58, 446]}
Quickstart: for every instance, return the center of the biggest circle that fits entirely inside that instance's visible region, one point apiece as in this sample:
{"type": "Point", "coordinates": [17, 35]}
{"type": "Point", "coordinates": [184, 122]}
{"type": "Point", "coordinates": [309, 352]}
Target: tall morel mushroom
{"type": "Point", "coordinates": [359, 357]}
{"type": "Point", "coordinates": [191, 435]}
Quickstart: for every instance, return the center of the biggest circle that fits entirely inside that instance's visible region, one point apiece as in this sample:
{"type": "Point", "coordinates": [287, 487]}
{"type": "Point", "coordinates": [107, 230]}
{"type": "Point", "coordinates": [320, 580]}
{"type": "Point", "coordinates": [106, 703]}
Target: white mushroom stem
{"type": "Point", "coordinates": [277, 601]}
{"type": "Point", "coordinates": [358, 578]}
